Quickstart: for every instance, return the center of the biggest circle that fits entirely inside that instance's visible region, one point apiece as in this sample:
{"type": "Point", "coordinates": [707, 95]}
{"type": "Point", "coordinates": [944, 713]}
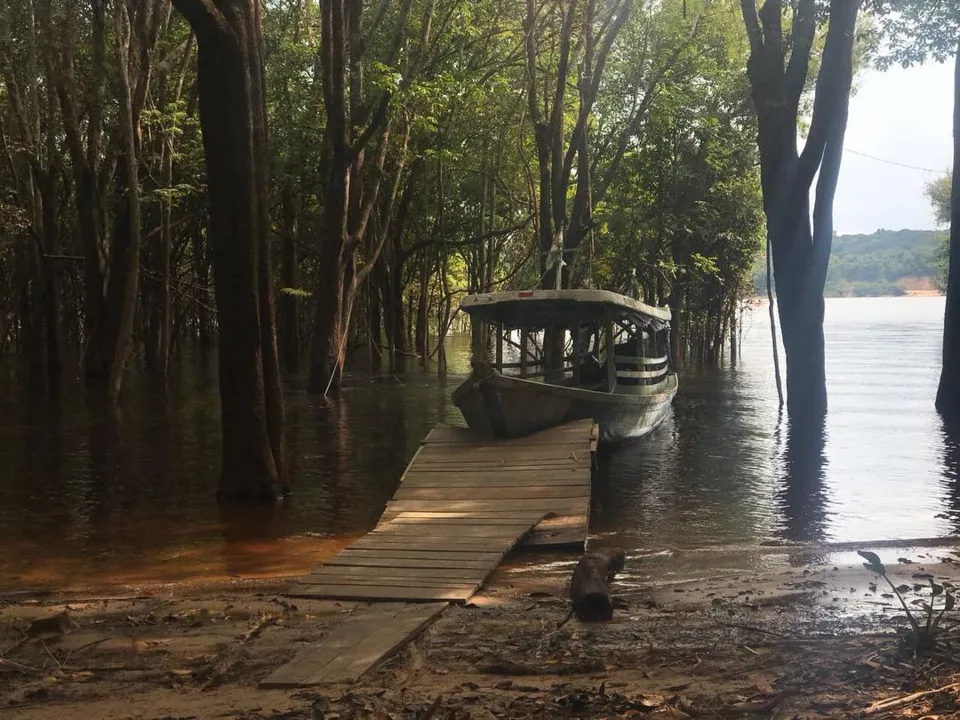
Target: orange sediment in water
{"type": "Point", "coordinates": [204, 561]}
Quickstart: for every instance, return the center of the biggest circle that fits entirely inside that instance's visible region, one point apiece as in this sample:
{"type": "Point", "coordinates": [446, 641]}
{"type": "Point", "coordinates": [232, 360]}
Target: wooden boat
{"type": "Point", "coordinates": [545, 357]}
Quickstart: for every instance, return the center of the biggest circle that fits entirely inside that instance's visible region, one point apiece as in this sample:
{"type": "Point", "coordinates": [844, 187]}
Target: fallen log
{"type": "Point", "coordinates": [589, 585]}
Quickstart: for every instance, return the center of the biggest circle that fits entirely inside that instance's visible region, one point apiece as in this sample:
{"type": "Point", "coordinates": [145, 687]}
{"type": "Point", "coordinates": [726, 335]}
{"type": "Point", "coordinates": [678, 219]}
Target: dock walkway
{"type": "Point", "coordinates": [463, 503]}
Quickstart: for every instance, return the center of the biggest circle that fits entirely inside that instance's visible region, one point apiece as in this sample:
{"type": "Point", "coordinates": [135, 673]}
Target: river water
{"type": "Point", "coordinates": [88, 500]}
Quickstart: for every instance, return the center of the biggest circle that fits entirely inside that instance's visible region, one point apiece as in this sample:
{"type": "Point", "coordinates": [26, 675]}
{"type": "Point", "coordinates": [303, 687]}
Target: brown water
{"type": "Point", "coordinates": [88, 500]}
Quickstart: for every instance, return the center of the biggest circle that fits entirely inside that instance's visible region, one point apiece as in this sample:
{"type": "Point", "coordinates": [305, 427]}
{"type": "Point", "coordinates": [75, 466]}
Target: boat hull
{"type": "Point", "coordinates": [513, 407]}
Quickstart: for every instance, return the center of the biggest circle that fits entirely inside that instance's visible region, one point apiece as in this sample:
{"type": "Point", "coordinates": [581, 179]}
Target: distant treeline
{"type": "Point", "coordinates": [886, 262]}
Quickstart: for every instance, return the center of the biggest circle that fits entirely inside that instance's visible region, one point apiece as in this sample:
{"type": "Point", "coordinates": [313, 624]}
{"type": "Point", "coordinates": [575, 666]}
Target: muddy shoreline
{"type": "Point", "coordinates": [801, 637]}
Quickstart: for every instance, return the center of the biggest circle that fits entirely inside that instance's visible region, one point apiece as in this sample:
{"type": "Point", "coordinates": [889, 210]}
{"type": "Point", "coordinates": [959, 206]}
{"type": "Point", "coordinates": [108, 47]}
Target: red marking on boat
{"type": "Point", "coordinates": [526, 293]}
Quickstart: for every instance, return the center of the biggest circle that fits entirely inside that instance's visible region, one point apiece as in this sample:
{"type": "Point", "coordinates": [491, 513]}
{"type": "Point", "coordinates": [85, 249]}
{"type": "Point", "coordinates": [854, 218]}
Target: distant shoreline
{"type": "Point", "coordinates": [762, 299]}
{"type": "Point", "coordinates": [919, 293]}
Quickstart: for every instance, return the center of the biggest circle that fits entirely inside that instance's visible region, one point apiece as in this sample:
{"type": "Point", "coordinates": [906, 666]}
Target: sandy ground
{"type": "Point", "coordinates": [803, 635]}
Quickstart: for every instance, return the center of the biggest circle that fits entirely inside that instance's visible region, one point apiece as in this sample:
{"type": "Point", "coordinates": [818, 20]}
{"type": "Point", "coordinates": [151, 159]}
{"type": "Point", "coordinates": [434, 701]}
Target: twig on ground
{"type": "Point", "coordinates": [901, 702]}
{"type": "Point", "coordinates": [16, 667]}
{"type": "Point", "coordinates": [84, 647]}
{"type": "Point", "coordinates": [51, 655]}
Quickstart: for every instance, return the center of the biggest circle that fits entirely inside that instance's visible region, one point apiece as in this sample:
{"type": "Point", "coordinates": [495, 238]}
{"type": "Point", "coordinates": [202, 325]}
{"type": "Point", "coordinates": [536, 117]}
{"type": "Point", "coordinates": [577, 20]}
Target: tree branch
{"type": "Point", "coordinates": [749, 10]}
{"type": "Point", "coordinates": [804, 30]}
{"type": "Point", "coordinates": [203, 16]}
{"type": "Point", "coordinates": [833, 89]}
{"type": "Point", "coordinates": [475, 240]}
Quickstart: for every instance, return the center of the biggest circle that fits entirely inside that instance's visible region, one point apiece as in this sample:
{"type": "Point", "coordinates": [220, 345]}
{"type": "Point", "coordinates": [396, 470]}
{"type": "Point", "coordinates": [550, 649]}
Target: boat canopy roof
{"type": "Point", "coordinates": [546, 308]}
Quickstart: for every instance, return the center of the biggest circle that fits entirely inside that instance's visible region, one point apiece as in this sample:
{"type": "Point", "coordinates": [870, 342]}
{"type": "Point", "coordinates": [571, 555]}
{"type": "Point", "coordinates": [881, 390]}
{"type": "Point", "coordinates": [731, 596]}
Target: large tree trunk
{"type": "Point", "coordinates": [328, 335]}
{"type": "Point", "coordinates": [948, 394]}
{"type": "Point", "coordinates": [327, 332]}
{"type": "Point", "coordinates": [233, 122]}
{"type": "Point", "coordinates": [800, 252]}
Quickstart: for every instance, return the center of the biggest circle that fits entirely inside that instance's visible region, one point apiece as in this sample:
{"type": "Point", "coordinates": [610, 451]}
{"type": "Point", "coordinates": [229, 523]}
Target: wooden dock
{"type": "Point", "coordinates": [463, 502]}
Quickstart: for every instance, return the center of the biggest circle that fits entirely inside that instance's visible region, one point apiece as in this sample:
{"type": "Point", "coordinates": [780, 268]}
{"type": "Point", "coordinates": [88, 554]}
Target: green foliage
{"type": "Point", "coordinates": [878, 264]}
{"type": "Point", "coordinates": [927, 628]}
{"type": "Point", "coordinates": [670, 145]}
{"type": "Point", "coordinates": [294, 292]}
{"type": "Point", "coordinates": [938, 193]}
{"type": "Point", "coordinates": [915, 31]}
{"type": "Point", "coordinates": [685, 210]}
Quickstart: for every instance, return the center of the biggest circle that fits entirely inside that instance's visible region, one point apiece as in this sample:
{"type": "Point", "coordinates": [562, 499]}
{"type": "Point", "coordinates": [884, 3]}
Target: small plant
{"type": "Point", "coordinates": [927, 629]}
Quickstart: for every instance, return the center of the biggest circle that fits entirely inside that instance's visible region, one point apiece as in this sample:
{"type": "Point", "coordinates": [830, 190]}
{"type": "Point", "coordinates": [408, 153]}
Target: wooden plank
{"type": "Point", "coordinates": [559, 454]}
{"type": "Point", "coordinates": [393, 583]}
{"type": "Point", "coordinates": [459, 434]}
{"type": "Point", "coordinates": [354, 648]}
{"type": "Point", "coordinates": [451, 528]}
{"type": "Point", "coordinates": [561, 521]}
{"type": "Point", "coordinates": [423, 555]}
{"type": "Point", "coordinates": [361, 592]}
{"type": "Point", "coordinates": [582, 463]}
{"type": "Point", "coordinates": [503, 478]}
{"type": "Point", "coordinates": [450, 435]}
{"type": "Point", "coordinates": [576, 535]}
{"type": "Point", "coordinates": [558, 505]}
{"type": "Point", "coordinates": [449, 531]}
{"type": "Point", "coordinates": [545, 492]}
{"type": "Point", "coordinates": [409, 536]}
{"type": "Point", "coordinates": [443, 523]}
{"type": "Point", "coordinates": [407, 625]}
{"type": "Point", "coordinates": [399, 582]}
{"type": "Point", "coordinates": [530, 441]}
{"type": "Point", "coordinates": [380, 562]}
{"type": "Point", "coordinates": [463, 502]}
{"type": "Point", "coordinates": [495, 515]}
{"type": "Point", "coordinates": [404, 523]}
{"type": "Point", "coordinates": [435, 544]}
{"type": "Point", "coordinates": [455, 573]}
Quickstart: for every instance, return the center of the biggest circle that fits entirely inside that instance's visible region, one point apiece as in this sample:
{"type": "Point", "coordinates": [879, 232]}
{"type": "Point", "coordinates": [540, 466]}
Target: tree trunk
{"type": "Point", "coordinates": [327, 335]}
{"type": "Point", "coordinates": [399, 325]}
{"type": "Point", "coordinates": [201, 270]}
{"type": "Point", "coordinates": [800, 252]}
{"type": "Point", "coordinates": [288, 321]}
{"type": "Point", "coordinates": [589, 591]}
{"type": "Point", "coordinates": [423, 305]}
{"type": "Point", "coordinates": [116, 328]}
{"type": "Point", "coordinates": [375, 334]}
{"type": "Point", "coordinates": [948, 394]}
{"type": "Point", "coordinates": [233, 123]}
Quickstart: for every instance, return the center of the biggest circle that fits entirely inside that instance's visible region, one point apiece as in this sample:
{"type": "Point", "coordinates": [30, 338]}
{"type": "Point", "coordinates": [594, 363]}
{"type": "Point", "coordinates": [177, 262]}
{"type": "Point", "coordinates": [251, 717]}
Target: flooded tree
{"type": "Point", "coordinates": [234, 121]}
{"type": "Point", "coordinates": [917, 31]}
{"type": "Point", "coordinates": [800, 243]}
{"type": "Point", "coordinates": [357, 138]}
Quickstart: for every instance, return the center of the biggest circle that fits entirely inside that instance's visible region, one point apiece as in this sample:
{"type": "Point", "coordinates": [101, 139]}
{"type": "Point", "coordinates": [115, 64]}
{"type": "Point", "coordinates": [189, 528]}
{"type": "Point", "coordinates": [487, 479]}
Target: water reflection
{"type": "Point", "coordinates": [951, 476]}
{"type": "Point", "coordinates": [802, 496]}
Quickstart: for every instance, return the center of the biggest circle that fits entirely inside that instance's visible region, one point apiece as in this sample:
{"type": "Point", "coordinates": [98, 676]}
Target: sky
{"type": "Point", "coordinates": [904, 116]}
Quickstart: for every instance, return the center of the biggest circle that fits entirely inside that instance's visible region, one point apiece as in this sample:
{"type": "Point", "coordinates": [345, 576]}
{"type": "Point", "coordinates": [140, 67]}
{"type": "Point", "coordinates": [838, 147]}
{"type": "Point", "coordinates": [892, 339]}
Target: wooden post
{"type": "Point", "coordinates": [589, 585]}
{"type": "Point", "coordinates": [476, 326]}
{"type": "Point", "coordinates": [577, 359]}
{"type": "Point", "coordinates": [611, 354]}
{"type": "Point", "coordinates": [499, 347]}
{"type": "Point", "coordinates": [523, 352]}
